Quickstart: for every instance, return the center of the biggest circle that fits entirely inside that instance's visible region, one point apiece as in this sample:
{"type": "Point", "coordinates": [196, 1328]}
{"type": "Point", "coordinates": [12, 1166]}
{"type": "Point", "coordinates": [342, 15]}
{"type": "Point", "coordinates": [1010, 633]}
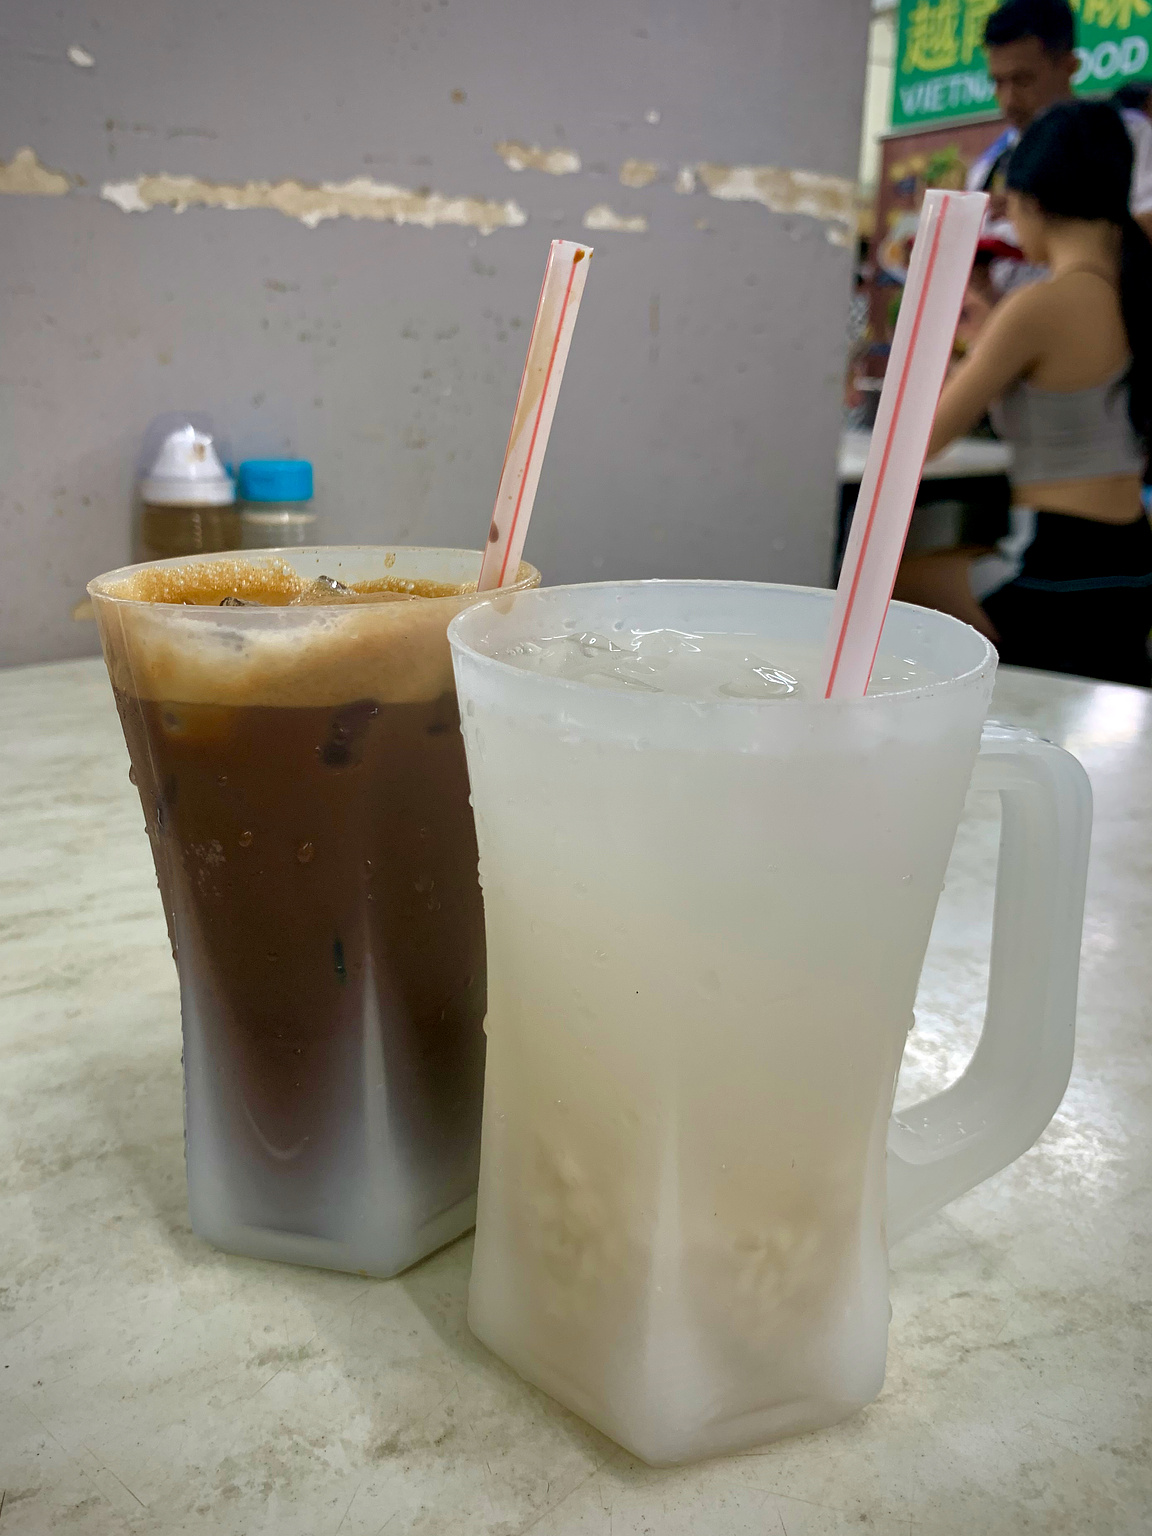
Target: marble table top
{"type": "Point", "coordinates": [151, 1385]}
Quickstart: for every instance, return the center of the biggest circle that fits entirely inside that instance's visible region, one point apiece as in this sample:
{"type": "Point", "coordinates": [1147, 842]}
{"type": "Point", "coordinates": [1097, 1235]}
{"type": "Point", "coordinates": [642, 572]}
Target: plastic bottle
{"type": "Point", "coordinates": [276, 509]}
{"type": "Point", "coordinates": [189, 499]}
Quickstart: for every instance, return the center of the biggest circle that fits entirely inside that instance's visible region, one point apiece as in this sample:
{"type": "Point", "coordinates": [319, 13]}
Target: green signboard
{"type": "Point", "coordinates": [940, 67]}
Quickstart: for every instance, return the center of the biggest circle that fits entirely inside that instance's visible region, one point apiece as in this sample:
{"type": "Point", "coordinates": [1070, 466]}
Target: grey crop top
{"type": "Point", "coordinates": [1068, 435]}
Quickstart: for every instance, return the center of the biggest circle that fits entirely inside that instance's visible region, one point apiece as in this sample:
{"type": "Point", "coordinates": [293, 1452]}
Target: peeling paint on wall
{"type": "Point", "coordinates": [639, 173]}
{"type": "Point", "coordinates": [24, 173]}
{"type": "Point", "coordinates": [603, 217]}
{"type": "Point", "coordinates": [530, 157]}
{"type": "Point", "coordinates": [359, 198]}
{"type": "Point", "coordinates": [831, 198]}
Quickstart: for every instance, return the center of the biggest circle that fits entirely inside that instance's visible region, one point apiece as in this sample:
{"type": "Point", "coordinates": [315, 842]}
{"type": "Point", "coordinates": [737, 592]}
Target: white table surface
{"type": "Point", "coordinates": [966, 458]}
{"type": "Point", "coordinates": [151, 1385]}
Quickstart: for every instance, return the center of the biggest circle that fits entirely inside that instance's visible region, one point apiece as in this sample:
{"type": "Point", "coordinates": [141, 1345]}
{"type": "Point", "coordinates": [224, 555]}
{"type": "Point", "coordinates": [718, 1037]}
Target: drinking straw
{"type": "Point", "coordinates": [564, 278]}
{"type": "Point", "coordinates": [925, 328]}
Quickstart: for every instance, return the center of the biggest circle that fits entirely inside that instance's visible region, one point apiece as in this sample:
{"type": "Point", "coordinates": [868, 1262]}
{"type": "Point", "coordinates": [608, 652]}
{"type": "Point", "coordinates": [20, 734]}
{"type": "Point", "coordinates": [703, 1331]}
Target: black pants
{"type": "Point", "coordinates": [1082, 602]}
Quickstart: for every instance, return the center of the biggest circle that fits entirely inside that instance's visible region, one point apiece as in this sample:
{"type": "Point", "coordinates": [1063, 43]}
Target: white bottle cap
{"type": "Point", "coordinates": [187, 473]}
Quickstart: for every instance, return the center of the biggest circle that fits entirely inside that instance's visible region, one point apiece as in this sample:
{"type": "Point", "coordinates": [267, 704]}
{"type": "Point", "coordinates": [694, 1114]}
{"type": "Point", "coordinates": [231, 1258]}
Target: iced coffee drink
{"type": "Point", "coordinates": [293, 732]}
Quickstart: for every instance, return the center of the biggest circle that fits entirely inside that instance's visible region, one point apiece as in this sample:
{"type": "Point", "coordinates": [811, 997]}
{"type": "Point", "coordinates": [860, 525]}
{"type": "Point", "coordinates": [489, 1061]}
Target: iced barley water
{"type": "Point", "coordinates": [708, 893]}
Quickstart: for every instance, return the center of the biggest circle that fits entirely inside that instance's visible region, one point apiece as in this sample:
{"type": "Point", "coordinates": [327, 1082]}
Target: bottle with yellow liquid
{"type": "Point", "coordinates": [189, 500]}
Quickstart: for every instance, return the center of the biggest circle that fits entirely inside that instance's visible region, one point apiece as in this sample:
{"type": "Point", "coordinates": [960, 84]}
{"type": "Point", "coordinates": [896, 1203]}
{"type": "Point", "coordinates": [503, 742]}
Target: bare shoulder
{"type": "Point", "coordinates": [1058, 304]}
{"type": "Point", "coordinates": [1028, 311]}
{"type": "Point", "coordinates": [1040, 299]}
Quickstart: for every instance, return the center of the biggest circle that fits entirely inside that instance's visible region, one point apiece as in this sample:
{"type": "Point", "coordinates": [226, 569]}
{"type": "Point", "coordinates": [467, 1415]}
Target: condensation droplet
{"type": "Point", "coordinates": [305, 853]}
{"type": "Point", "coordinates": [131, 775]}
{"type": "Point", "coordinates": [245, 839]}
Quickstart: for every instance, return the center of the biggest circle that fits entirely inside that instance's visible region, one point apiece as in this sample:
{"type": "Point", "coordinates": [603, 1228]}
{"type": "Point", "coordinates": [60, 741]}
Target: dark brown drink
{"type": "Point", "coordinates": [306, 796]}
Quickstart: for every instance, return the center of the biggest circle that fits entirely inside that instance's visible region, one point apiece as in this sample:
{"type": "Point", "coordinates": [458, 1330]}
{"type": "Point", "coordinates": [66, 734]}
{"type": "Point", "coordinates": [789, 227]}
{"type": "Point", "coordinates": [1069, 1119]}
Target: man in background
{"type": "Point", "coordinates": [1030, 46]}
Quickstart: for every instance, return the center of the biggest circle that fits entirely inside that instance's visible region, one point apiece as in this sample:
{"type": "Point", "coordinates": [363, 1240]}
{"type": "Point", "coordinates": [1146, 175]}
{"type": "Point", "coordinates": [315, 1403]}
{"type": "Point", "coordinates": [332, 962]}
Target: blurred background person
{"type": "Point", "coordinates": [1030, 45]}
{"type": "Point", "coordinates": [1064, 368]}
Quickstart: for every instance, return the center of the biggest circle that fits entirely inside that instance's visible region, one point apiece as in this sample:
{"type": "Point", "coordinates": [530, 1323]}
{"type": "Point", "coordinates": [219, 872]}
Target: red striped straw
{"type": "Point", "coordinates": [925, 330]}
{"type": "Point", "coordinates": [564, 278]}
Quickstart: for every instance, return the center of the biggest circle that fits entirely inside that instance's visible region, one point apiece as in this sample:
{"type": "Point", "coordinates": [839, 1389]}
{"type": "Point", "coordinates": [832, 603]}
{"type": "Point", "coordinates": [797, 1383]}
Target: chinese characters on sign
{"type": "Point", "coordinates": [940, 66]}
{"type": "Point", "coordinates": [943, 35]}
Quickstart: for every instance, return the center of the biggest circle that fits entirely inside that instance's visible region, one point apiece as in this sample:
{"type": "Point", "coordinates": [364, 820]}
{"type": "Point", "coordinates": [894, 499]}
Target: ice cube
{"type": "Point", "coordinates": [325, 589]}
{"type": "Point", "coordinates": [757, 680]}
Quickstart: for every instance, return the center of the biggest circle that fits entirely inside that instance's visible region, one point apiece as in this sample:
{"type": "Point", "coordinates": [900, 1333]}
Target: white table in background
{"type": "Point", "coordinates": [151, 1385]}
{"type": "Point", "coordinates": [968, 458]}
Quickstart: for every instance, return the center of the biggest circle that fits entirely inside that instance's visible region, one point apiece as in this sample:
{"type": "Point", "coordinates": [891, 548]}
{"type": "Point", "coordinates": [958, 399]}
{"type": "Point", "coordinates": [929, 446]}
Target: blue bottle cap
{"type": "Point", "coordinates": [275, 480]}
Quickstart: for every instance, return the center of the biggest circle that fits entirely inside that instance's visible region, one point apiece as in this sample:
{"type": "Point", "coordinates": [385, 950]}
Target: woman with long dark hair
{"type": "Point", "coordinates": [1064, 369]}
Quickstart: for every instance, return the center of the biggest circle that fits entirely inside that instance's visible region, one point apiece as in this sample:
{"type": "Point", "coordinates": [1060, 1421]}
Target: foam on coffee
{"type": "Point", "coordinates": [382, 638]}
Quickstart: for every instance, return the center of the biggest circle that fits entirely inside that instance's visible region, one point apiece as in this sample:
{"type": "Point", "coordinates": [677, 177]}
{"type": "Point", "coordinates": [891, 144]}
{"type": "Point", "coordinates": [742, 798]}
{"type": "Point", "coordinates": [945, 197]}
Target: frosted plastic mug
{"type": "Point", "coordinates": [705, 926]}
{"type": "Point", "coordinates": [305, 792]}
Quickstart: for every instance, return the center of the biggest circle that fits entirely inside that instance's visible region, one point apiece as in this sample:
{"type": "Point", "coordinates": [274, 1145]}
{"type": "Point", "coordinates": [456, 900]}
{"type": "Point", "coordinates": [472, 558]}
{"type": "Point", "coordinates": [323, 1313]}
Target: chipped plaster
{"type": "Point", "coordinates": [530, 157]}
{"type": "Point", "coordinates": [830, 198]}
{"type": "Point", "coordinates": [603, 217]}
{"type": "Point", "coordinates": [639, 173]}
{"type": "Point", "coordinates": [360, 198]}
{"type": "Point", "coordinates": [24, 173]}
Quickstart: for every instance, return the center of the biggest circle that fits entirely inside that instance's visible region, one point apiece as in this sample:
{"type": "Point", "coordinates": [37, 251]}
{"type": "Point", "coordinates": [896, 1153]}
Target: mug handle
{"type": "Point", "coordinates": [1013, 1085]}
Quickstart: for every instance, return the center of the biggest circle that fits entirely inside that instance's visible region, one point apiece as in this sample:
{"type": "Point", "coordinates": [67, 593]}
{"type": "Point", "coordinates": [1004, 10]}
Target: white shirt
{"type": "Point", "coordinates": [1139, 198]}
{"type": "Point", "coordinates": [1140, 132]}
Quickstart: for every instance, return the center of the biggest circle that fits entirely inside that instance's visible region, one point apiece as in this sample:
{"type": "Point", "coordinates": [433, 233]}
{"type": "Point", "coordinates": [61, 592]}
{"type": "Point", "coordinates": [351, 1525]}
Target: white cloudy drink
{"type": "Point", "coordinates": [708, 894]}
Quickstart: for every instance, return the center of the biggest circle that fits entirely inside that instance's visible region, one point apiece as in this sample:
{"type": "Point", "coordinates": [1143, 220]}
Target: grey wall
{"type": "Point", "coordinates": [697, 425]}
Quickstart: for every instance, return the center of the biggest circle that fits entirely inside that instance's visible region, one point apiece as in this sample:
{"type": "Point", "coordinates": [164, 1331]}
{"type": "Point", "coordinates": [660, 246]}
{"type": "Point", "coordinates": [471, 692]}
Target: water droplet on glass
{"type": "Point", "coordinates": [305, 853]}
{"type": "Point", "coordinates": [425, 884]}
{"type": "Point", "coordinates": [221, 779]}
{"type": "Point", "coordinates": [245, 839]}
{"type": "Point", "coordinates": [131, 775]}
